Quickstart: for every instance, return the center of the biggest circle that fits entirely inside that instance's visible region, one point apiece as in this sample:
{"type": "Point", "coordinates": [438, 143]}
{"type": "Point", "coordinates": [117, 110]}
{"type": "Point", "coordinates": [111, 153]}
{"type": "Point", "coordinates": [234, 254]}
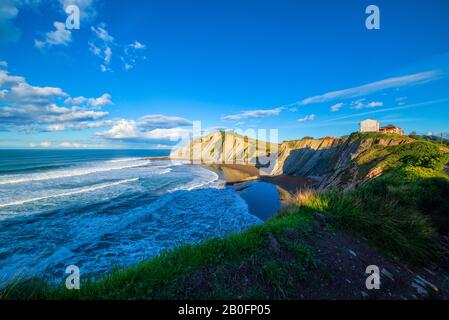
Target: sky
{"type": "Point", "coordinates": [137, 74]}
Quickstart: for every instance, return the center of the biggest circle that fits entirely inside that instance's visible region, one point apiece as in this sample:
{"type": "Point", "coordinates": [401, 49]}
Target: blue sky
{"type": "Point", "coordinates": [137, 73]}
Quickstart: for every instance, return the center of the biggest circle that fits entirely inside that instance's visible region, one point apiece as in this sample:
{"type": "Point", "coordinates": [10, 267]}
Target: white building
{"type": "Point", "coordinates": [369, 125]}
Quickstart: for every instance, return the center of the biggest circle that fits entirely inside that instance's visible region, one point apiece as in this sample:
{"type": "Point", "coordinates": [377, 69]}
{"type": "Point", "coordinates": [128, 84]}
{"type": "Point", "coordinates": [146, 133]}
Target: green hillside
{"type": "Point", "coordinates": [400, 214]}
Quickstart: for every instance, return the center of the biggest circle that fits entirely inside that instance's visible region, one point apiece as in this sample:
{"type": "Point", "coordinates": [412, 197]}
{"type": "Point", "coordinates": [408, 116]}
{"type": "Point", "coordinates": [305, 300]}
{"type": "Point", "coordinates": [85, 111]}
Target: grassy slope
{"type": "Point", "coordinates": [168, 276]}
{"type": "Point", "coordinates": [398, 213]}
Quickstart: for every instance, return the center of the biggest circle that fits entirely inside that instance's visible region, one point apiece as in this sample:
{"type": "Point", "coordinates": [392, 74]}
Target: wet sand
{"type": "Point", "coordinates": [157, 158]}
{"type": "Point", "coordinates": [241, 173]}
{"type": "Point", "coordinates": [237, 173]}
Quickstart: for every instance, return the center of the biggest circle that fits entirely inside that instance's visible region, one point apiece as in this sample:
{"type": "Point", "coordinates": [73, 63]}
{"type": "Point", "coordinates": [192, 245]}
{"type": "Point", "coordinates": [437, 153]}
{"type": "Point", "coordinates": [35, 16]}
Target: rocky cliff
{"type": "Point", "coordinates": [227, 147]}
{"type": "Point", "coordinates": [330, 161]}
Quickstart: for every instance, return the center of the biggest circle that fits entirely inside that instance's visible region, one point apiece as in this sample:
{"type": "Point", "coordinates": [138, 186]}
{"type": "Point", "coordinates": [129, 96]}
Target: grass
{"type": "Point", "coordinates": [169, 276]}
{"type": "Point", "coordinates": [399, 213]}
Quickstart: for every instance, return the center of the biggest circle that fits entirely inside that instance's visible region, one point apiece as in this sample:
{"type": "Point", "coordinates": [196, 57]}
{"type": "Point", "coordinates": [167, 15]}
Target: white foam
{"type": "Point", "coordinates": [163, 171]}
{"type": "Point", "coordinates": [198, 185]}
{"type": "Point", "coordinates": [67, 173]}
{"type": "Point", "coordinates": [70, 193]}
{"type": "Point", "coordinates": [123, 160]}
{"type": "Point", "coordinates": [97, 242]}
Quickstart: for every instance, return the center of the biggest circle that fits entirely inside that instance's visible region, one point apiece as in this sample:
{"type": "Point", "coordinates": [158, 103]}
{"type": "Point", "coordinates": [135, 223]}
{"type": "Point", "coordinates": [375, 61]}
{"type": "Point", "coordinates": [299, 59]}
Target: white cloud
{"type": "Point", "coordinates": [101, 46]}
{"type": "Point", "coordinates": [30, 108]}
{"type": "Point", "coordinates": [309, 117]}
{"type": "Point", "coordinates": [78, 125]}
{"type": "Point", "coordinates": [252, 114]}
{"type": "Point", "coordinates": [44, 144]}
{"type": "Point", "coordinates": [71, 145]}
{"type": "Point", "coordinates": [95, 50]}
{"type": "Point", "coordinates": [123, 129]}
{"type": "Point", "coordinates": [337, 107]}
{"type": "Point", "coordinates": [137, 45]}
{"type": "Point", "coordinates": [3, 64]}
{"type": "Point", "coordinates": [131, 55]}
{"type": "Point", "coordinates": [396, 82]}
{"type": "Point", "coordinates": [161, 121]}
{"type": "Point", "coordinates": [367, 113]}
{"type": "Point", "coordinates": [73, 114]}
{"type": "Point", "coordinates": [375, 104]}
{"type": "Point", "coordinates": [63, 145]}
{"type": "Point", "coordinates": [61, 36]}
{"type": "Point", "coordinates": [360, 104]}
{"type": "Point", "coordinates": [107, 55]}
{"type": "Point", "coordinates": [102, 33]}
{"type": "Point", "coordinates": [16, 91]}
{"type": "Point", "coordinates": [131, 130]}
{"type": "Point", "coordinates": [103, 100]}
{"type": "Point", "coordinates": [8, 80]}
{"type": "Point", "coordinates": [22, 105]}
{"type": "Point", "coordinates": [56, 127]}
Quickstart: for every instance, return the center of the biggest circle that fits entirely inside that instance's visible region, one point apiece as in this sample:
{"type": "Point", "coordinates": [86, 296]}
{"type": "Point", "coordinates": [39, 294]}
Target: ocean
{"type": "Point", "coordinates": [105, 209]}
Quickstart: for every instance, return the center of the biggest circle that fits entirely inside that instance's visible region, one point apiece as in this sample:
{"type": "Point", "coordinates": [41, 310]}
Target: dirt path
{"type": "Point", "coordinates": [339, 272]}
{"type": "Point", "coordinates": [343, 276]}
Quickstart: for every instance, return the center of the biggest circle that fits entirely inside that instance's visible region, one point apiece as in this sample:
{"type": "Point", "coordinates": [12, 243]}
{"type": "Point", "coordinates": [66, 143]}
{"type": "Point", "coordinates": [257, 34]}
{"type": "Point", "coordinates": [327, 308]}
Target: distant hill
{"type": "Point", "coordinates": [439, 139]}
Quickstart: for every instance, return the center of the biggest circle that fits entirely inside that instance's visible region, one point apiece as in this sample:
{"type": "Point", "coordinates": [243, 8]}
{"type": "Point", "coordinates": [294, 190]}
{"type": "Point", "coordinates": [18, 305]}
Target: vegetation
{"type": "Point", "coordinates": [439, 139]}
{"type": "Point", "coordinates": [269, 256]}
{"type": "Point", "coordinates": [400, 213]}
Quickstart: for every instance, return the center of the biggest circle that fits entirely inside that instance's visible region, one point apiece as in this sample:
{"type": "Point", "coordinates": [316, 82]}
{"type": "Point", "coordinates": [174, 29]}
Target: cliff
{"type": "Point", "coordinates": [333, 162]}
{"type": "Point", "coordinates": [227, 147]}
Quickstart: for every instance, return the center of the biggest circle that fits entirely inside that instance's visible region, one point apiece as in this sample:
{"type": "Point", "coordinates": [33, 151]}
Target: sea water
{"type": "Point", "coordinates": [105, 209]}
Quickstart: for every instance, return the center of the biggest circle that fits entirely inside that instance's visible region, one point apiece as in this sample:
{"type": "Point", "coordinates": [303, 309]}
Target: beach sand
{"type": "Point", "coordinates": [241, 173]}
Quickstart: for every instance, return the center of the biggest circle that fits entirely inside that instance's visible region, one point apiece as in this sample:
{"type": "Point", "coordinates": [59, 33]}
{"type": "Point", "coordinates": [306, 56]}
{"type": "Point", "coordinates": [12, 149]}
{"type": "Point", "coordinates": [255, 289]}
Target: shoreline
{"type": "Point", "coordinates": [265, 195]}
{"type": "Point", "coordinates": [236, 174]}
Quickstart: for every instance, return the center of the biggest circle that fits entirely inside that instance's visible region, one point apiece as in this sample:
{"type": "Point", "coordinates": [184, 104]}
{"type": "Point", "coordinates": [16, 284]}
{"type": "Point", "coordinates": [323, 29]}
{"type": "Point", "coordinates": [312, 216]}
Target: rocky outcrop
{"type": "Point", "coordinates": [227, 147]}
{"type": "Point", "coordinates": [330, 161]}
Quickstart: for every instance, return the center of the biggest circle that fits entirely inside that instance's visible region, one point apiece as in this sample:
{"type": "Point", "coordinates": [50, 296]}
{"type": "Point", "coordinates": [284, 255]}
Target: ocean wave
{"type": "Point", "coordinates": [123, 160]}
{"type": "Point", "coordinates": [163, 171]}
{"type": "Point", "coordinates": [58, 174]}
{"type": "Point", "coordinates": [129, 232]}
{"type": "Point", "coordinates": [70, 193]}
{"type": "Point", "coordinates": [197, 185]}
{"type": "Point", "coordinates": [182, 217]}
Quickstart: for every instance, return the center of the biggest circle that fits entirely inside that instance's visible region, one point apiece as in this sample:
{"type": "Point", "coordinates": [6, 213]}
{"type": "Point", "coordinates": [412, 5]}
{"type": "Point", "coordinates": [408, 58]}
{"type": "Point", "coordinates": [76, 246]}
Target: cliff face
{"type": "Point", "coordinates": [229, 147]}
{"type": "Point", "coordinates": [330, 161]}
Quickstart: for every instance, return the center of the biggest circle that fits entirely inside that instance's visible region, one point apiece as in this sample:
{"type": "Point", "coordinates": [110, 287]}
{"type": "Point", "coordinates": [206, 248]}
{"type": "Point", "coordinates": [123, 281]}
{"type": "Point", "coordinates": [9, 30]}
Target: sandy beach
{"type": "Point", "coordinates": [242, 173]}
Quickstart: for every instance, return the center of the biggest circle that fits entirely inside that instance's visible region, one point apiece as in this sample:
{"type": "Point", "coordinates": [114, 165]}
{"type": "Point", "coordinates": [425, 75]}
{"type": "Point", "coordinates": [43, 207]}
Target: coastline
{"type": "Point", "coordinates": [235, 174]}
{"type": "Point", "coordinates": [264, 195]}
